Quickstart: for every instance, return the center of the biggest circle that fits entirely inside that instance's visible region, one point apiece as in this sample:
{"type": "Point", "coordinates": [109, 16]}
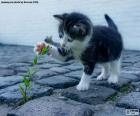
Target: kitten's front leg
{"type": "Point", "coordinates": [59, 53]}
{"type": "Point", "coordinates": [84, 83]}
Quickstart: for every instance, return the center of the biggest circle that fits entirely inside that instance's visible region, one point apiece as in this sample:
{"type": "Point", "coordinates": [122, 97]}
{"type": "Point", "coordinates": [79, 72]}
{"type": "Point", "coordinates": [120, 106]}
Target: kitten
{"type": "Point", "coordinates": [91, 45]}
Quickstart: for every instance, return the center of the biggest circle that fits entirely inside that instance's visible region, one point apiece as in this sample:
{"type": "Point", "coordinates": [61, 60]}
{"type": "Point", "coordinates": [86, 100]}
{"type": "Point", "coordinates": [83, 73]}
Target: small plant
{"type": "Point", "coordinates": [25, 88]}
{"type": "Point", "coordinates": [113, 97]}
{"type": "Point", "coordinates": [126, 88]}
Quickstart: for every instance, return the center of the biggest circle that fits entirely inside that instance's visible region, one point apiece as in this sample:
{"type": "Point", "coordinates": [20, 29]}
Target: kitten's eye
{"type": "Point", "coordinates": [70, 40]}
{"type": "Point", "coordinates": [80, 28]}
{"type": "Point", "coordinates": [75, 26]}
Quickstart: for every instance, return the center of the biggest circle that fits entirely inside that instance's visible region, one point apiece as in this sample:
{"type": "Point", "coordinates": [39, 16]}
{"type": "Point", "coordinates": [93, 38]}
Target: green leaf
{"type": "Point", "coordinates": [27, 82]}
{"type": "Point", "coordinates": [44, 50]}
{"type": "Point", "coordinates": [22, 91]}
{"type": "Point", "coordinates": [31, 72]}
{"type": "Point", "coordinates": [30, 86]}
{"type": "Point", "coordinates": [35, 60]}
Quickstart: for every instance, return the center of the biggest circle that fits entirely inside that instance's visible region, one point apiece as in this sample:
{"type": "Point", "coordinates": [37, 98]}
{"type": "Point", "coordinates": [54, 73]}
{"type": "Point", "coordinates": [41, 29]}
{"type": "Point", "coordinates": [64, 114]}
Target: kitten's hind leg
{"type": "Point", "coordinates": [115, 71]}
{"type": "Point", "coordinates": [104, 72]}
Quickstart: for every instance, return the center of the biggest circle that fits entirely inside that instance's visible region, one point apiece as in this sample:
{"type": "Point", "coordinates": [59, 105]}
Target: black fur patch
{"type": "Point", "coordinates": [105, 45]}
{"type": "Point", "coordinates": [63, 51]}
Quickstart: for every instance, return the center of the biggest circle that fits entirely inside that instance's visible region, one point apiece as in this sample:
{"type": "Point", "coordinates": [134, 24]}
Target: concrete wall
{"type": "Point", "coordinates": [28, 23]}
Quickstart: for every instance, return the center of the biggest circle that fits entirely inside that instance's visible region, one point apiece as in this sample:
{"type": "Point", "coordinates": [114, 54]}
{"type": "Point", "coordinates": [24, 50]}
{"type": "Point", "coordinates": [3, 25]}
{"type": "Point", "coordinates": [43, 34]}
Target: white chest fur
{"type": "Point", "coordinates": [78, 47]}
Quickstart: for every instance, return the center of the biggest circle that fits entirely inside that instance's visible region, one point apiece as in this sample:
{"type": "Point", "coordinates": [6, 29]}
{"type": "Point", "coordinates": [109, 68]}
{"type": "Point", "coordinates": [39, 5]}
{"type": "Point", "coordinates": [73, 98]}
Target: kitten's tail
{"type": "Point", "coordinates": [111, 22]}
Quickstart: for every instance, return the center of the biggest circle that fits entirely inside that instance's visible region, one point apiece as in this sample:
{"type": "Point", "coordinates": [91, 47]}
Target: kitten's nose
{"type": "Point", "coordinates": [64, 42]}
{"type": "Point", "coordinates": [63, 45]}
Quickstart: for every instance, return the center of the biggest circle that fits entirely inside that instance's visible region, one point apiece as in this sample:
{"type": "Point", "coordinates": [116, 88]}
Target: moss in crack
{"type": "Point", "coordinates": [126, 88]}
{"type": "Point", "coordinates": [122, 90]}
{"type": "Point", "coordinates": [113, 97]}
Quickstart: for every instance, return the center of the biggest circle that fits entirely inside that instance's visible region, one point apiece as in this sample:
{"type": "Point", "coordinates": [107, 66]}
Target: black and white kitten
{"type": "Point", "coordinates": [89, 44]}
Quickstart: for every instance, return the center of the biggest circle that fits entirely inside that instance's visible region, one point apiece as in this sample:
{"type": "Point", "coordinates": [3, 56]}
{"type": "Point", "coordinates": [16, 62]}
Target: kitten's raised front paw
{"type": "Point", "coordinates": [82, 86]}
{"type": "Point", "coordinates": [113, 79]}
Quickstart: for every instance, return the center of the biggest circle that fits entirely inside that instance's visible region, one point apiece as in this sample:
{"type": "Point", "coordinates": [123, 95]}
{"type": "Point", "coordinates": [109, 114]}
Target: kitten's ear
{"type": "Point", "coordinates": [59, 17]}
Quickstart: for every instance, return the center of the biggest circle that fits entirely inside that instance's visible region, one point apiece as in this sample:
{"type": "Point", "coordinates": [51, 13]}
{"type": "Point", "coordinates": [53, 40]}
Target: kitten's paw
{"type": "Point", "coordinates": [113, 79]}
{"type": "Point", "coordinates": [82, 86]}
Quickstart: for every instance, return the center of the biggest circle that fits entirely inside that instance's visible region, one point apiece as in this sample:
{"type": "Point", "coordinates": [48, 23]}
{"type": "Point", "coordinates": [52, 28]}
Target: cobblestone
{"type": "Point", "coordinates": [53, 87]}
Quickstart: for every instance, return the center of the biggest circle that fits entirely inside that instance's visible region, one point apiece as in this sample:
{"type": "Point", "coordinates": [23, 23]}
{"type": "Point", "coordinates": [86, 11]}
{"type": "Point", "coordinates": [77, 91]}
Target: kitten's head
{"type": "Point", "coordinates": [74, 26]}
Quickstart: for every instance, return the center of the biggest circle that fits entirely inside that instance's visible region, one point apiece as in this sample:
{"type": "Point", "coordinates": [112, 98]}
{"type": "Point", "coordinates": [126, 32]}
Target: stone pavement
{"type": "Point", "coordinates": [53, 87]}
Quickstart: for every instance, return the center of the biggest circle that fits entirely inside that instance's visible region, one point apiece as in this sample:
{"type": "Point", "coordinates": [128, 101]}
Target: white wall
{"type": "Point", "coordinates": [28, 23]}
